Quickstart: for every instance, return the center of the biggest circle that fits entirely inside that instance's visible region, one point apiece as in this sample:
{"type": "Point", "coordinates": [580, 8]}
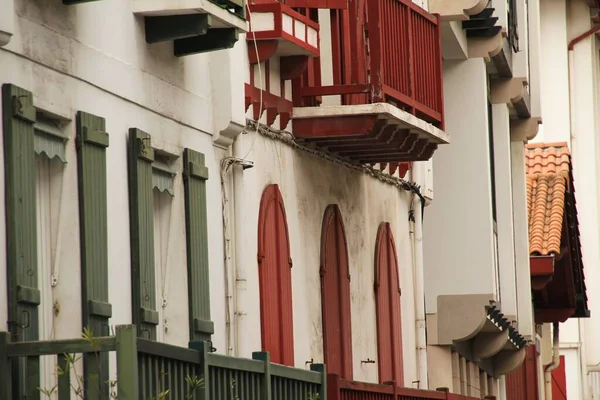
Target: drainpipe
{"type": "Point", "coordinates": [571, 77]}
{"type": "Point", "coordinates": [419, 291]}
{"type": "Point", "coordinates": [555, 362]}
{"type": "Point", "coordinates": [240, 272]}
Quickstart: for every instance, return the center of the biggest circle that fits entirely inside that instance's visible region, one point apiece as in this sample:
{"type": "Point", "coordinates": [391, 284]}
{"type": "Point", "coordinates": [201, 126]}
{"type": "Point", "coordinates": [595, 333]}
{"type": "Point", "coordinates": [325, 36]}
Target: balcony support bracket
{"type": "Point", "coordinates": [522, 130]}
{"type": "Point", "coordinates": [260, 51]}
{"type": "Point", "coordinates": [512, 91]}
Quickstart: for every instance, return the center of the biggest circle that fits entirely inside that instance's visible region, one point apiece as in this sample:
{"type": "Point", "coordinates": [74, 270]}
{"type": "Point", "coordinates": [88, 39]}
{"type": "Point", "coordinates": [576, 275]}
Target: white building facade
{"type": "Point", "coordinates": [117, 135]}
{"type": "Point", "coordinates": [569, 113]}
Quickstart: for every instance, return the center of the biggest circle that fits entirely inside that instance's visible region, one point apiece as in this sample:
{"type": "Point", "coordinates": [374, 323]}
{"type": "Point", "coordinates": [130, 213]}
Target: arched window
{"type": "Point", "coordinates": [389, 316]}
{"type": "Point", "coordinates": [335, 295]}
{"type": "Point", "coordinates": [275, 278]}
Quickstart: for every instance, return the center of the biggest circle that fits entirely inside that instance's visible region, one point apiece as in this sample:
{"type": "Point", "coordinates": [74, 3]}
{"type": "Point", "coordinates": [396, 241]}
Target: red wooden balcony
{"type": "Point", "coordinates": [279, 29]}
{"type": "Point", "coordinates": [387, 85]}
{"type": "Point", "coordinates": [341, 389]}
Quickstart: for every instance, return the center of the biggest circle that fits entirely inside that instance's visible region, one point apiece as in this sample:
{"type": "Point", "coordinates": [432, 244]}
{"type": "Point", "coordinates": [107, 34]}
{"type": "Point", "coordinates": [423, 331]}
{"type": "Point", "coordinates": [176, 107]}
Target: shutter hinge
{"type": "Point", "coordinates": [260, 257]}
{"type": "Point", "coordinates": [290, 262]}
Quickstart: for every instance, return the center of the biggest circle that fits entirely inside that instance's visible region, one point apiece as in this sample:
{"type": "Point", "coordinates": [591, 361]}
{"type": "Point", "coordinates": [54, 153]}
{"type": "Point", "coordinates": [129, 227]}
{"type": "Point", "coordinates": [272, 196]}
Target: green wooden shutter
{"type": "Point", "coordinates": [92, 141]}
{"type": "Point", "coordinates": [141, 211]}
{"type": "Point", "coordinates": [21, 236]}
{"type": "Point", "coordinates": [195, 176]}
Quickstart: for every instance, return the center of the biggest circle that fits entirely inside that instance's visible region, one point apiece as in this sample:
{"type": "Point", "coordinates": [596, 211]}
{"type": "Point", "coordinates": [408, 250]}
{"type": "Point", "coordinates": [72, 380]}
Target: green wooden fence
{"type": "Point", "coordinates": [148, 370]}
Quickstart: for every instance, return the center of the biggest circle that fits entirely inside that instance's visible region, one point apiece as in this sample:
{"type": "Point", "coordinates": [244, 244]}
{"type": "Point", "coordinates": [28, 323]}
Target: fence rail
{"type": "Point", "coordinates": [151, 370]}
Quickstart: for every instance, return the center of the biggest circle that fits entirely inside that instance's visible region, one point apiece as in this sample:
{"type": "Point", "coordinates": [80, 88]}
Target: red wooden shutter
{"type": "Point", "coordinates": [387, 293]}
{"type": "Point", "coordinates": [275, 278]}
{"type": "Point", "coordinates": [335, 295]}
{"type": "Point", "coordinates": [559, 381]}
{"type": "Point", "coordinates": [522, 384]}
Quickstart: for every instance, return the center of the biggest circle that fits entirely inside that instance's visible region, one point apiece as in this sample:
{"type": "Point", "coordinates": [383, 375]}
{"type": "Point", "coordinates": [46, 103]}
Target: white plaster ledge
{"type": "Point", "coordinates": [514, 93]}
{"type": "Point", "coordinates": [456, 10]}
{"type": "Point", "coordinates": [506, 362]}
{"type": "Point", "coordinates": [226, 136]}
{"type": "Point", "coordinates": [222, 17]}
{"type": "Point", "coordinates": [5, 38]}
{"type": "Point", "coordinates": [486, 47]}
{"type": "Point", "coordinates": [382, 110]}
{"type": "Point", "coordinates": [522, 130]}
{"type": "Point", "coordinates": [461, 317]}
{"type": "Point", "coordinates": [509, 90]}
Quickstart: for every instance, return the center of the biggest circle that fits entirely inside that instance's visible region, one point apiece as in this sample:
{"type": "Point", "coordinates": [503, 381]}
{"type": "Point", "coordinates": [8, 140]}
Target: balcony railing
{"type": "Point", "coordinates": [392, 55]}
{"type": "Point", "coordinates": [152, 370]}
{"type": "Point", "coordinates": [341, 389]}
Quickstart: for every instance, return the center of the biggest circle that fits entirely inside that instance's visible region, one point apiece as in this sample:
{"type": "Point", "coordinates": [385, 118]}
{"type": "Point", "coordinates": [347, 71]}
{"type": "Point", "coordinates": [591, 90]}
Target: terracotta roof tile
{"type": "Point", "coordinates": [547, 169]}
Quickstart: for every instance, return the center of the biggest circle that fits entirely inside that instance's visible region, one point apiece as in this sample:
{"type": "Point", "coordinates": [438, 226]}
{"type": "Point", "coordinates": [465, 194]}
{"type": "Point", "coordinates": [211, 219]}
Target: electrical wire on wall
{"type": "Point", "coordinates": [164, 265]}
{"type": "Point", "coordinates": [226, 164]}
{"type": "Point", "coordinates": [260, 75]}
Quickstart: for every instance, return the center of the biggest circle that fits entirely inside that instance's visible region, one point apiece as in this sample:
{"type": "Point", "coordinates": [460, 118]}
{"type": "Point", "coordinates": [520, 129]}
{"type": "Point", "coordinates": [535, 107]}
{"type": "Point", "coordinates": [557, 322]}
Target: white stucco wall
{"type": "Point", "coordinates": [458, 229]}
{"type": "Point", "coordinates": [561, 22]}
{"type": "Point", "coordinates": [308, 184]}
{"type": "Point", "coordinates": [554, 72]}
{"type": "Point", "coordinates": [93, 57]}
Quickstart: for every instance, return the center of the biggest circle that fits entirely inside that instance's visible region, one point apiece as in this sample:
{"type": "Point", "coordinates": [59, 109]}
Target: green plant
{"type": "Point", "coordinates": [69, 369]}
{"type": "Point", "coordinates": [194, 383]}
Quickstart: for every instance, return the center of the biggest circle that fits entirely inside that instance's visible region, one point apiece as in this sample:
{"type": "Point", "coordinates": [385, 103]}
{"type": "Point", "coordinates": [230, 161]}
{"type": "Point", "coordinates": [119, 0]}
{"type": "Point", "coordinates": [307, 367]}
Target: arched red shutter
{"type": "Point", "coordinates": [335, 295]}
{"type": "Point", "coordinates": [275, 278]}
{"type": "Point", "coordinates": [389, 319]}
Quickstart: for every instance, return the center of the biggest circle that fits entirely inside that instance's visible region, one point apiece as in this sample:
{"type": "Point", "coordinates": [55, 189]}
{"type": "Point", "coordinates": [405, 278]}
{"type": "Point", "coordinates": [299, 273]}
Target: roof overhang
{"type": "Point", "coordinates": [556, 264]}
{"type": "Point", "coordinates": [476, 328]}
{"type": "Point", "coordinates": [557, 280]}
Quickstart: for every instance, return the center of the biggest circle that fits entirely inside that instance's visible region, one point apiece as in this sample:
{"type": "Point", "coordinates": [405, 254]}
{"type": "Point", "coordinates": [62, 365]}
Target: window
{"type": "Point", "coordinates": [513, 25]}
{"type": "Point", "coordinates": [335, 295]}
{"type": "Point", "coordinates": [163, 198]}
{"type": "Point", "coordinates": [388, 308]}
{"type": "Point", "coordinates": [49, 146]}
{"type": "Point", "coordinates": [275, 278]}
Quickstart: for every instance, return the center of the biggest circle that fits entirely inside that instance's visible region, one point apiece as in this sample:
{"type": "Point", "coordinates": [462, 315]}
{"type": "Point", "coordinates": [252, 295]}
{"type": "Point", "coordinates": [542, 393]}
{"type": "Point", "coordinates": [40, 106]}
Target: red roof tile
{"type": "Point", "coordinates": [547, 169]}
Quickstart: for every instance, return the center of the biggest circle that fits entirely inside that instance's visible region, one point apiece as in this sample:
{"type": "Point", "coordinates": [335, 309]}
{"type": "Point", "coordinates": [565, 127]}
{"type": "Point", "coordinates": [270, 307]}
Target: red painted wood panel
{"type": "Point", "coordinates": [275, 278]}
{"type": "Point", "coordinates": [335, 295]}
{"type": "Point", "coordinates": [388, 308]}
{"type": "Point", "coordinates": [559, 381]}
{"type": "Point", "coordinates": [522, 384]}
